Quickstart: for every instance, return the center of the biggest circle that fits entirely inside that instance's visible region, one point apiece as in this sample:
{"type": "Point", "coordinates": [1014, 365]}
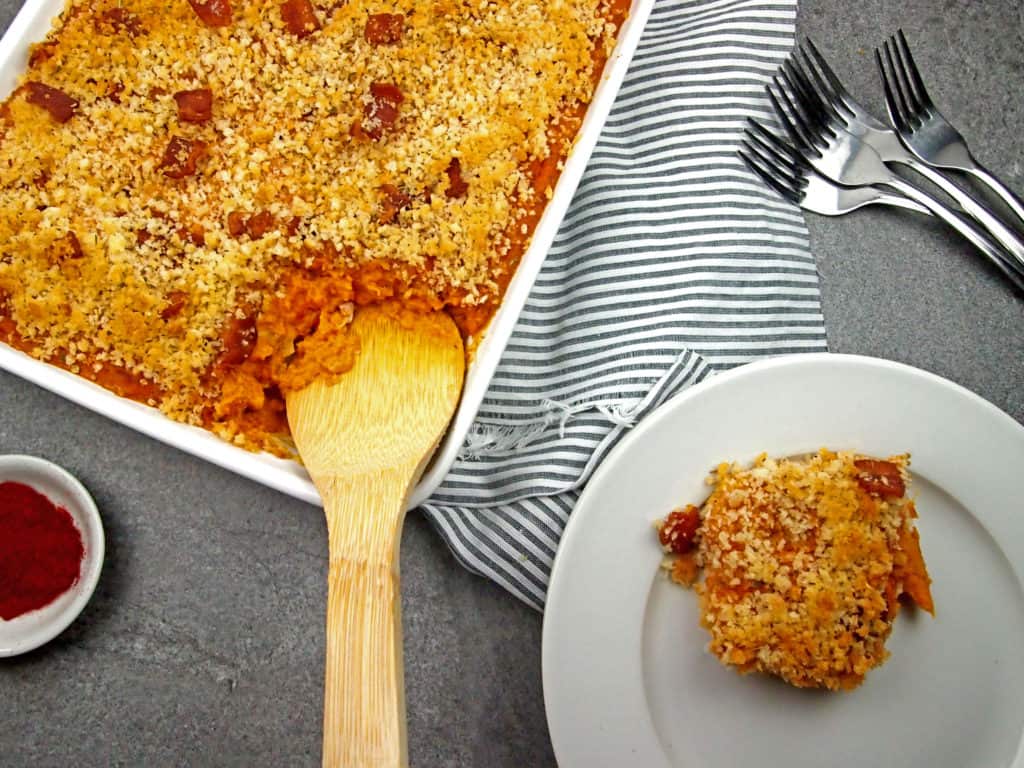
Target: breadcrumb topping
{"type": "Point", "coordinates": [165, 166]}
{"type": "Point", "coordinates": [804, 562]}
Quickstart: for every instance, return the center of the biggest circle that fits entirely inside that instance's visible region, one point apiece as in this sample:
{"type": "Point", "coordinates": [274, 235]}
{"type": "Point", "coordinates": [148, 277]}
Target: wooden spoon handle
{"type": "Point", "coordinates": [364, 687]}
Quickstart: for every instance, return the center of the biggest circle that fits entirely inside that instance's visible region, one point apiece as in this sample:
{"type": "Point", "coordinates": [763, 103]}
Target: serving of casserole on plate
{"type": "Point", "coordinates": [632, 678]}
{"type": "Point", "coordinates": [195, 198]}
{"type": "Point", "coordinates": [805, 561]}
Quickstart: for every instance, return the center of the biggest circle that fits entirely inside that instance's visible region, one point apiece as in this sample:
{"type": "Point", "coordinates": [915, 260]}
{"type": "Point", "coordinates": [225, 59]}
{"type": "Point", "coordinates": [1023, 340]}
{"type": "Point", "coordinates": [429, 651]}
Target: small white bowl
{"type": "Point", "coordinates": [33, 629]}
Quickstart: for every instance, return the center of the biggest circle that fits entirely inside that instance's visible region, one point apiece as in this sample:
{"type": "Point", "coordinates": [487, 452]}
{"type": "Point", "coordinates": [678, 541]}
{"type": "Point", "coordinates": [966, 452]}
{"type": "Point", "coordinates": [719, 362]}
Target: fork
{"type": "Point", "coordinates": [922, 127]}
{"type": "Point", "coordinates": [884, 140]}
{"type": "Point", "coordinates": [848, 160]}
{"type": "Point", "coordinates": [783, 169]}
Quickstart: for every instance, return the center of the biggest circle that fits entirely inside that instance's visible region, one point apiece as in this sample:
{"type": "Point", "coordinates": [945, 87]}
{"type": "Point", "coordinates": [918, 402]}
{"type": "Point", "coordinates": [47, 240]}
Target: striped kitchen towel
{"type": "Point", "coordinates": [672, 263]}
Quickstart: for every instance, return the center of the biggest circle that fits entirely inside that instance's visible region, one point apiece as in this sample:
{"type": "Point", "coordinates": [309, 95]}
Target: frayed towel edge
{"type": "Point", "coordinates": [488, 439]}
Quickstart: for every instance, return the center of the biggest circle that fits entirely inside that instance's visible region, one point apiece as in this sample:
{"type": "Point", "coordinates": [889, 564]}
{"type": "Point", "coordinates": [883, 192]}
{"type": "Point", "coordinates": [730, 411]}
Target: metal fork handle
{"type": "Point", "coordinates": [983, 175]}
{"type": "Point", "coordinates": [1009, 239]}
{"type": "Point", "coordinates": [1010, 269]}
{"type": "Point", "coordinates": [898, 201]}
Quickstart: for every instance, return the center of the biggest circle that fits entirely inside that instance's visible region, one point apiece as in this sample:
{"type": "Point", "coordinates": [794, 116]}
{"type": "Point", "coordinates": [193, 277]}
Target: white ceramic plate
{"type": "Point", "coordinates": [33, 629]}
{"type": "Point", "coordinates": [32, 24]}
{"type": "Point", "coordinates": [627, 679]}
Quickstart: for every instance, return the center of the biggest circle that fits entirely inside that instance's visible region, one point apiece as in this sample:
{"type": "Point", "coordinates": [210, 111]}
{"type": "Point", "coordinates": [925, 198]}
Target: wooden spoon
{"type": "Point", "coordinates": [365, 442]}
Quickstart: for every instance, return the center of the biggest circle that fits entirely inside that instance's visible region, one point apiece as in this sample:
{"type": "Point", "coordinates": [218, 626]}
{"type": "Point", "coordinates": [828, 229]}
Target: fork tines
{"type": "Point", "coordinates": [782, 183]}
{"type": "Point", "coordinates": [828, 82]}
{"type": "Point", "coordinates": [905, 93]}
{"type": "Point", "coordinates": [777, 164]}
{"type": "Point", "coordinates": [805, 116]}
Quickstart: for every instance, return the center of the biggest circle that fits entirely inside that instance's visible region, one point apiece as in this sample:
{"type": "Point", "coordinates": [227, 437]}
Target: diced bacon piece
{"type": "Point", "coordinates": [236, 223]}
{"type": "Point", "coordinates": [239, 338]}
{"type": "Point", "coordinates": [386, 92]}
{"type": "Point", "coordinates": [393, 200]}
{"type": "Point", "coordinates": [259, 224]}
{"type": "Point", "coordinates": [195, 106]}
{"type": "Point", "coordinates": [214, 13]}
{"type": "Point", "coordinates": [182, 156]}
{"type": "Point", "coordinates": [457, 186]}
{"type": "Point", "coordinates": [194, 233]}
{"type": "Point", "coordinates": [300, 17]}
{"type": "Point", "coordinates": [60, 106]}
{"type": "Point", "coordinates": [880, 478]}
{"type": "Point", "coordinates": [384, 28]}
{"type": "Point", "coordinates": [679, 530]}
{"type": "Point", "coordinates": [256, 226]}
{"type": "Point", "coordinates": [382, 111]}
{"type": "Point", "coordinates": [175, 303]}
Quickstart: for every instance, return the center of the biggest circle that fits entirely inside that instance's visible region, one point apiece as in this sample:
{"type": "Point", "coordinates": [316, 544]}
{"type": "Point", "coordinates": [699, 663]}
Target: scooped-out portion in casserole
{"type": "Point", "coordinates": [197, 195]}
{"type": "Point", "coordinates": [800, 564]}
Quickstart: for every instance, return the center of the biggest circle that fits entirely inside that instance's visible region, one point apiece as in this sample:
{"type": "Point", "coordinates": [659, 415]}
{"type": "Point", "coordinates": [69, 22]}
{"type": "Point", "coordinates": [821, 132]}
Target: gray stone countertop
{"type": "Point", "coordinates": [204, 642]}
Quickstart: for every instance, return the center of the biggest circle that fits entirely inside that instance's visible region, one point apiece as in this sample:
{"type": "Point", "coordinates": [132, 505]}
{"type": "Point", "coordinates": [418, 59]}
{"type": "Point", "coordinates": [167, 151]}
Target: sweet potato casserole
{"type": "Point", "coordinates": [804, 564]}
{"type": "Point", "coordinates": [197, 195]}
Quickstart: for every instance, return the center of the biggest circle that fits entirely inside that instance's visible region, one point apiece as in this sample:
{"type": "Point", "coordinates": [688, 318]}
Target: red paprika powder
{"type": "Point", "coordinates": [40, 550]}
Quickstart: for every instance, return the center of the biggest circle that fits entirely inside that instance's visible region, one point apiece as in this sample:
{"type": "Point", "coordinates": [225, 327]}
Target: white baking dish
{"type": "Point", "coordinates": [32, 24]}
